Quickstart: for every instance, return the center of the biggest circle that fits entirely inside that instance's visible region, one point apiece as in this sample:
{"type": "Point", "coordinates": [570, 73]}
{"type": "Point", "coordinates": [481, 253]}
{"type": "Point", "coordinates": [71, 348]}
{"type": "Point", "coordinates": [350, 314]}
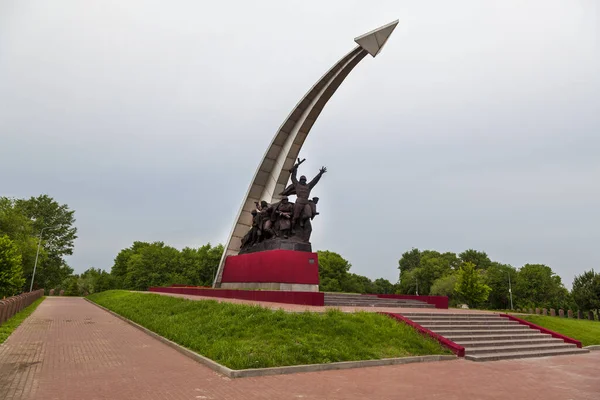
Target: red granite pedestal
{"type": "Point", "coordinates": [287, 270]}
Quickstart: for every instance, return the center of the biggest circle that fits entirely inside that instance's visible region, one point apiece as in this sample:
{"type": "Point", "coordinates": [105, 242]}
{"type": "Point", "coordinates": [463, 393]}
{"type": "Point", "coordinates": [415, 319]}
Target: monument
{"type": "Point", "coordinates": [269, 246]}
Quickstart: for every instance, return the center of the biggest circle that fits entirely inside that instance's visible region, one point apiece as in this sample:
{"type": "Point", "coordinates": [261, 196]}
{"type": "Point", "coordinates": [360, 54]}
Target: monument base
{"type": "Point", "coordinates": [278, 244]}
{"type": "Point", "coordinates": [285, 270]}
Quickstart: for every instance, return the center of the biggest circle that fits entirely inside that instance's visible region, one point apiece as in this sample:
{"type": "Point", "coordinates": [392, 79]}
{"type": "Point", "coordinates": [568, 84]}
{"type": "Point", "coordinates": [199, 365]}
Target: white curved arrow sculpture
{"type": "Point", "coordinates": [273, 173]}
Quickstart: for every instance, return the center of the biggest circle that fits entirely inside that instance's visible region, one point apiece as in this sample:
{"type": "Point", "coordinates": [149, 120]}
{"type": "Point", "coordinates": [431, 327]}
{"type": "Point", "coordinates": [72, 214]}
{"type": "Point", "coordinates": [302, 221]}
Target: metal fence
{"type": "Point", "coordinates": [12, 305]}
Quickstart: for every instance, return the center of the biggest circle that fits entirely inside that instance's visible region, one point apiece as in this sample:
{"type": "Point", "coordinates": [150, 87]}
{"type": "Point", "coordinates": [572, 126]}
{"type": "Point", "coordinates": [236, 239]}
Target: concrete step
{"type": "Point", "coordinates": [504, 342]}
{"type": "Point", "coordinates": [357, 300]}
{"type": "Point", "coordinates": [374, 301]}
{"type": "Point", "coordinates": [446, 316]}
{"type": "Point", "coordinates": [493, 356]}
{"type": "Point", "coordinates": [495, 322]}
{"type": "Point", "coordinates": [518, 347]}
{"type": "Point", "coordinates": [468, 327]}
{"type": "Point", "coordinates": [495, 332]}
{"type": "Point", "coordinates": [376, 304]}
{"type": "Point", "coordinates": [455, 319]}
{"type": "Point", "coordinates": [463, 338]}
{"type": "Point", "coordinates": [371, 301]}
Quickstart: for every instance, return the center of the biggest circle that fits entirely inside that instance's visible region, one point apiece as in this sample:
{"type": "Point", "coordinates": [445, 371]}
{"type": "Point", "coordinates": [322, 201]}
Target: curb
{"type": "Point", "coordinates": [253, 372]}
{"type": "Point", "coordinates": [592, 347]}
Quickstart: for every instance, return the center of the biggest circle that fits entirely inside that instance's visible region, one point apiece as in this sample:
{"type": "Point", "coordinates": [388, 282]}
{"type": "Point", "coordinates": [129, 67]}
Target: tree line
{"type": "Point", "coordinates": [472, 277]}
{"type": "Point", "coordinates": [469, 277]}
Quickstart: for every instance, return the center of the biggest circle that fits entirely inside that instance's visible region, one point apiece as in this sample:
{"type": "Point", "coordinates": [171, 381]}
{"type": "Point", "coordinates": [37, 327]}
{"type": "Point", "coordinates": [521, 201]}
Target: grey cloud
{"type": "Point", "coordinates": [477, 126]}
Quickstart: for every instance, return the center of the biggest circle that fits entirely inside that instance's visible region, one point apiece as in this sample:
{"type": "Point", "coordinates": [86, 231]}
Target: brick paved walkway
{"type": "Point", "coordinates": [70, 349]}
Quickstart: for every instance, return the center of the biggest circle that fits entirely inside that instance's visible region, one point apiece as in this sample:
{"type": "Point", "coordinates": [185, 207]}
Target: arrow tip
{"type": "Point", "coordinates": [373, 41]}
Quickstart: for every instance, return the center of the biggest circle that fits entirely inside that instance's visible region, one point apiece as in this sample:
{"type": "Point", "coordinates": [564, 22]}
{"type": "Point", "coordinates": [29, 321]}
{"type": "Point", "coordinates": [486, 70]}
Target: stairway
{"type": "Point", "coordinates": [358, 300]}
{"type": "Point", "coordinates": [490, 337]}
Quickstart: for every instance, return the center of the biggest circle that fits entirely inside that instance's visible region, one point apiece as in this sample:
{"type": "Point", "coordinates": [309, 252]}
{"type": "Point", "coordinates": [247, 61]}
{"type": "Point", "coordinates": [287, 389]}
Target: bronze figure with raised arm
{"type": "Point", "coordinates": [301, 189]}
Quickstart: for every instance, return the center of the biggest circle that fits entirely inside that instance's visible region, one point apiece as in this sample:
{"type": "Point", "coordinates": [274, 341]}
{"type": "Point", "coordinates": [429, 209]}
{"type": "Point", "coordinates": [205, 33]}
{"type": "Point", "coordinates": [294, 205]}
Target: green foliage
{"type": "Point", "coordinates": [335, 276]}
{"type": "Point", "coordinates": [11, 272]}
{"type": "Point", "coordinates": [23, 220]}
{"type": "Point", "coordinates": [538, 286]}
{"type": "Point", "coordinates": [432, 265]}
{"type": "Point", "coordinates": [445, 287]}
{"type": "Point", "coordinates": [333, 266]}
{"type": "Point", "coordinates": [19, 228]}
{"type": "Point", "coordinates": [410, 260]}
{"type": "Point", "coordinates": [154, 264]}
{"type": "Point", "coordinates": [242, 336]}
{"type": "Point", "coordinates": [13, 323]}
{"type": "Point", "coordinates": [44, 211]}
{"type": "Point", "coordinates": [496, 277]}
{"type": "Point", "coordinates": [72, 286]}
{"type": "Point", "coordinates": [469, 285]}
{"type": "Point", "coordinates": [587, 332]}
{"type": "Point", "coordinates": [478, 258]}
{"type": "Point", "coordinates": [383, 286]}
{"type": "Point", "coordinates": [586, 291]}
{"type": "Point", "coordinates": [408, 282]}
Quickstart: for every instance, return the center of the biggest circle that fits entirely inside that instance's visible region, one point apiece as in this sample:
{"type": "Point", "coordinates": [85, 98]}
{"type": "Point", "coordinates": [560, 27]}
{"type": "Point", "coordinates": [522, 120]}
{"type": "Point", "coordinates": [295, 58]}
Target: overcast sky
{"type": "Point", "coordinates": [478, 125]}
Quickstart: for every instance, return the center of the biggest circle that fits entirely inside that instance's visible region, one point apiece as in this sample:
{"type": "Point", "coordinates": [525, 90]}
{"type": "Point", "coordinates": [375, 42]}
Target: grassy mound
{"type": "Point", "coordinates": [587, 332]}
{"type": "Point", "coordinates": [13, 322]}
{"type": "Point", "coordinates": [242, 336]}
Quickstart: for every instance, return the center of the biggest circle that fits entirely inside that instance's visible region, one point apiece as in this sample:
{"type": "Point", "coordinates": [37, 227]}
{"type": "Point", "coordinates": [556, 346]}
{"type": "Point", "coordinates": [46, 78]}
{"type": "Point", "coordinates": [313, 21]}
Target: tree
{"type": "Point", "coordinates": [383, 286]}
{"type": "Point", "coordinates": [11, 272]}
{"type": "Point", "coordinates": [59, 235]}
{"type": "Point", "coordinates": [72, 286]}
{"type": "Point", "coordinates": [19, 228]}
{"type": "Point", "coordinates": [538, 286]}
{"type": "Point", "coordinates": [445, 287]}
{"type": "Point", "coordinates": [153, 265]}
{"type": "Point", "coordinates": [119, 268]}
{"type": "Point", "coordinates": [469, 285]}
{"type": "Point", "coordinates": [409, 260]}
{"type": "Point", "coordinates": [586, 291]}
{"type": "Point", "coordinates": [408, 282]}
{"type": "Point", "coordinates": [496, 277]}
{"type": "Point", "coordinates": [45, 212]}
{"type": "Point", "coordinates": [478, 258]}
{"type": "Point", "coordinates": [432, 265]}
{"type": "Point", "coordinates": [333, 270]}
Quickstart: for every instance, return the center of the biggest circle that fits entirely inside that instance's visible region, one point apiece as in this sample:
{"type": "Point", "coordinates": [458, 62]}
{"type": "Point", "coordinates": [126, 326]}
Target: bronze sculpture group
{"type": "Point", "coordinates": [284, 219]}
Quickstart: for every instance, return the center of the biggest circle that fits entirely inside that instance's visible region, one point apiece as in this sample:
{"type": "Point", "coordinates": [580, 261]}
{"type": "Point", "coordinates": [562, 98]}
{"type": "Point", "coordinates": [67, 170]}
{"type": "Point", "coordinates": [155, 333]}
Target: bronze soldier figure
{"type": "Point", "coordinates": [284, 213]}
{"type": "Point", "coordinates": [253, 234]}
{"type": "Point", "coordinates": [265, 211]}
{"type": "Point", "coordinates": [302, 190]}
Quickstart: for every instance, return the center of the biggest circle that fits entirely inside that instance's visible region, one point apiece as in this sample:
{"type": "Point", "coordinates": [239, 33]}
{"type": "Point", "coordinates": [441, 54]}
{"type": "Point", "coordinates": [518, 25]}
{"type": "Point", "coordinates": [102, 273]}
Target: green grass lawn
{"type": "Point", "coordinates": [243, 336]}
{"type": "Point", "coordinates": [587, 332]}
{"type": "Point", "coordinates": [12, 323]}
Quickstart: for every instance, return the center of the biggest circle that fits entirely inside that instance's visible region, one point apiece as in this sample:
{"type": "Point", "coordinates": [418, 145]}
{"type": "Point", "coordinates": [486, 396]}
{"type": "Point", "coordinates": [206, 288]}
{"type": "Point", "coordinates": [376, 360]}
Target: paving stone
{"type": "Point", "coordinates": [71, 350]}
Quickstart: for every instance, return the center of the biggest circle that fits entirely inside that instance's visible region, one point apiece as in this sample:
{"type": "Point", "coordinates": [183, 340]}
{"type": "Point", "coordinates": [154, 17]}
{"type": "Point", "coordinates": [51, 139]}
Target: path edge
{"type": "Point", "coordinates": [254, 372]}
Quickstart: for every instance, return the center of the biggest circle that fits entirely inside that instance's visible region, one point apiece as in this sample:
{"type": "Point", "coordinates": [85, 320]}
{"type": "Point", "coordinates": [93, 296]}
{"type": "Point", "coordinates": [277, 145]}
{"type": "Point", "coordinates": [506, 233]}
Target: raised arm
{"type": "Point", "coordinates": [294, 172]}
{"type": "Point", "coordinates": [316, 179]}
